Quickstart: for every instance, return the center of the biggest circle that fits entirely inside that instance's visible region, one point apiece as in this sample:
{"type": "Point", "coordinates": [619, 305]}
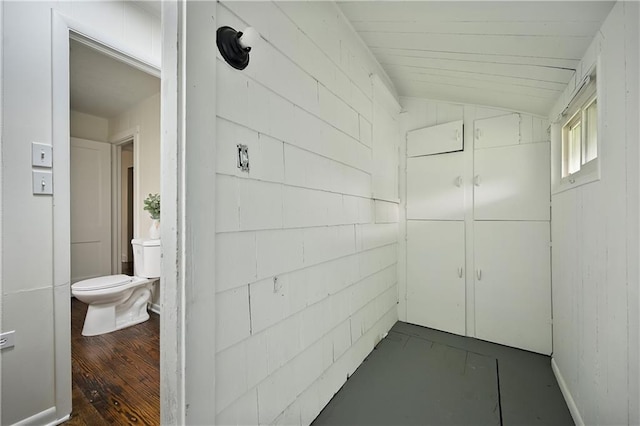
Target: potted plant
{"type": "Point", "coordinates": [152, 205]}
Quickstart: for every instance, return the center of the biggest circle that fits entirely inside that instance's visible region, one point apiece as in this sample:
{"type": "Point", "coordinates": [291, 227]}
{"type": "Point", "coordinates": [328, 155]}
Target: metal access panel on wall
{"type": "Point", "coordinates": [437, 139]}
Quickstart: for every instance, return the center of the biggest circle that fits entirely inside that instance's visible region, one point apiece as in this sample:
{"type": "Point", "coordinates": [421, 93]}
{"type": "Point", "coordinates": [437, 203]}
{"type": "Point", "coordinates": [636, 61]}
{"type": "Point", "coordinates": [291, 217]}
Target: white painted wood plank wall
{"type": "Point", "coordinates": [595, 242]}
{"type": "Point", "coordinates": [306, 257]}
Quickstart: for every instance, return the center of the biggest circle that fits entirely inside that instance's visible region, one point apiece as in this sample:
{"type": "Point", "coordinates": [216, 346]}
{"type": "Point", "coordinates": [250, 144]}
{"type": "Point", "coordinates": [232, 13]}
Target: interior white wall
{"type": "Point", "coordinates": [146, 117]}
{"type": "Point", "coordinates": [306, 257]}
{"type": "Point", "coordinates": [418, 113]}
{"type": "Point", "coordinates": [87, 126]}
{"type": "Point", "coordinates": [595, 242]}
{"type": "Point", "coordinates": [28, 377]}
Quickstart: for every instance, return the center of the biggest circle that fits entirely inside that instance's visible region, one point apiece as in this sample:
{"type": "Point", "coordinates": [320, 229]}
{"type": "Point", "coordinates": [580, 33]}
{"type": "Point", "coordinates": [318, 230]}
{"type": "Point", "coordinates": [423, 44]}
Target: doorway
{"type": "Point", "coordinates": [124, 196]}
{"type": "Point", "coordinates": [64, 28]}
{"type": "Point", "coordinates": [114, 116]}
{"type": "Point", "coordinates": [126, 159]}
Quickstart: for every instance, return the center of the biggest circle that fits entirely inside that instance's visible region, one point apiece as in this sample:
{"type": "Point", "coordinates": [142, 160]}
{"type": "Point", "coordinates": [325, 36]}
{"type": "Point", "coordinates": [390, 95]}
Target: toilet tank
{"type": "Point", "coordinates": [146, 258]}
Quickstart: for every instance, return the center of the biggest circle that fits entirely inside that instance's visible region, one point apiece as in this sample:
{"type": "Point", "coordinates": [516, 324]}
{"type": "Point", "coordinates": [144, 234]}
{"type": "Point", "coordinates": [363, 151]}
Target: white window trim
{"type": "Point", "coordinates": [590, 171]}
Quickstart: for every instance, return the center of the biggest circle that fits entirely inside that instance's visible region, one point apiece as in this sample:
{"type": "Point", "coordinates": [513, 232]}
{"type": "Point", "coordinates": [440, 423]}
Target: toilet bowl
{"type": "Point", "coordinates": [119, 301]}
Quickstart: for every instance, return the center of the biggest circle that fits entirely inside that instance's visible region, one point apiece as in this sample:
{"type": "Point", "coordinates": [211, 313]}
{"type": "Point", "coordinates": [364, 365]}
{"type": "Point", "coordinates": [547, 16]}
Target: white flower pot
{"type": "Point", "coordinates": [154, 230]}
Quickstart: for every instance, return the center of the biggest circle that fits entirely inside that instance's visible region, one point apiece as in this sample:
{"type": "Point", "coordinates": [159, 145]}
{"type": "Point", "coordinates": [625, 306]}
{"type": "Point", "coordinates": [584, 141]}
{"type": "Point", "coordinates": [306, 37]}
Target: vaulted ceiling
{"type": "Point", "coordinates": [513, 54]}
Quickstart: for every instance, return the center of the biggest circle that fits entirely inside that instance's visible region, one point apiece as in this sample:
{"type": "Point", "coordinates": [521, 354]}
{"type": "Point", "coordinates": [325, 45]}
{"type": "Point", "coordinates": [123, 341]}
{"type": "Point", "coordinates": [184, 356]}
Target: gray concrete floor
{"type": "Point", "coordinates": [420, 376]}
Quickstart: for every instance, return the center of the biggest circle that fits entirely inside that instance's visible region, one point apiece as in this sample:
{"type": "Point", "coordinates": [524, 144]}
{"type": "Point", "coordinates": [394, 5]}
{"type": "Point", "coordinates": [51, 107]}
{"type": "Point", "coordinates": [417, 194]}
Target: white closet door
{"type": "Point", "coordinates": [512, 183]}
{"type": "Point", "coordinates": [435, 275]}
{"type": "Point", "coordinates": [435, 139]}
{"type": "Point", "coordinates": [513, 284]}
{"type": "Point", "coordinates": [435, 187]}
{"type": "Point", "coordinates": [90, 209]}
{"type": "Point", "coordinates": [497, 131]}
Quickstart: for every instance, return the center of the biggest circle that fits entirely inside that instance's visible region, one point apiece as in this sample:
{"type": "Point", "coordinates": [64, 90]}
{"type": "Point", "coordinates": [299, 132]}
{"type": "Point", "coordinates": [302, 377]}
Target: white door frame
{"type": "Point", "coordinates": [187, 383]}
{"type": "Point", "coordinates": [1, 174]}
{"type": "Point", "coordinates": [64, 28]}
{"type": "Point", "coordinates": [117, 142]}
{"type": "Point", "coordinates": [188, 132]}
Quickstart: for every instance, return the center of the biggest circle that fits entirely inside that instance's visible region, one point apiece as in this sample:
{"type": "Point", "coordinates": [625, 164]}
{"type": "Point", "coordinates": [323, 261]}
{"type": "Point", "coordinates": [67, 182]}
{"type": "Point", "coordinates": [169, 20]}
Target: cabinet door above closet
{"type": "Point", "coordinates": [435, 187]}
{"type": "Point", "coordinates": [512, 183]}
{"type": "Point", "coordinates": [497, 131]}
{"type": "Point", "coordinates": [435, 139]}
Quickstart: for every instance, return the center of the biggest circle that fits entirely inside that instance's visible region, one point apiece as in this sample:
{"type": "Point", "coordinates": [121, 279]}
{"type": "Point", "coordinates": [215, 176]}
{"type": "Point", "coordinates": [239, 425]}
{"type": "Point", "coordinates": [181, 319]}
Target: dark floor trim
{"type": "Point", "coordinates": [499, 394]}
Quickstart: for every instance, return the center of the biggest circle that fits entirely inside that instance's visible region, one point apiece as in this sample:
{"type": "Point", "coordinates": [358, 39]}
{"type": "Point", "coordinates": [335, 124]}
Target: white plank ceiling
{"type": "Point", "coordinates": [517, 55]}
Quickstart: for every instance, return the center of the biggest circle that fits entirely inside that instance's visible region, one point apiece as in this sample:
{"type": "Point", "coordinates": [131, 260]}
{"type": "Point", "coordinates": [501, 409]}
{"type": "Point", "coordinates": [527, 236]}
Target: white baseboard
{"type": "Point", "coordinates": [573, 408]}
{"type": "Point", "coordinates": [60, 421]}
{"type": "Point", "coordinates": [43, 418]}
{"type": "Point", "coordinates": [154, 307]}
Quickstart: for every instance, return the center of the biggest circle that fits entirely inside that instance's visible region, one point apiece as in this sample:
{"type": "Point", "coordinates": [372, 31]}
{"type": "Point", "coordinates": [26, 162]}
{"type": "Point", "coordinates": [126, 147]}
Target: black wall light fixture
{"type": "Point", "coordinates": [234, 46]}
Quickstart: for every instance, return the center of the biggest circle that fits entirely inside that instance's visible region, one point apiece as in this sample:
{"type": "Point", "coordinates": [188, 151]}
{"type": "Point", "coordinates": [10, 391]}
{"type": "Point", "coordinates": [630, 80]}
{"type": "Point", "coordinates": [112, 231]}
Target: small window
{"type": "Point", "coordinates": [580, 135]}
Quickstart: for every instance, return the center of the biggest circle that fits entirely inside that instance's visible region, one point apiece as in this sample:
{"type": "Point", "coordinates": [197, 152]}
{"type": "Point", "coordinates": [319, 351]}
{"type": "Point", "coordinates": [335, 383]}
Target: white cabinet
{"type": "Point", "coordinates": [435, 187]}
{"type": "Point", "coordinates": [513, 284]}
{"type": "Point", "coordinates": [497, 131]}
{"type": "Point", "coordinates": [437, 139]}
{"type": "Point", "coordinates": [435, 275]}
{"type": "Point", "coordinates": [512, 183]}
{"type": "Point", "coordinates": [488, 207]}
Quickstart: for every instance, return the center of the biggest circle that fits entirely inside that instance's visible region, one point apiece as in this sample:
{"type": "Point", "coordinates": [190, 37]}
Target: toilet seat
{"type": "Point", "coordinates": [100, 283]}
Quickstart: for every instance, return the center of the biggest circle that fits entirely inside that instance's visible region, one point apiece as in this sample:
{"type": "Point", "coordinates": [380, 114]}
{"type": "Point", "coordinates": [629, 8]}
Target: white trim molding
{"type": "Point", "coordinates": [155, 308]}
{"type": "Point", "coordinates": [187, 381]}
{"type": "Point", "coordinates": [43, 418]}
{"type": "Point", "coordinates": [198, 141]}
{"type": "Point", "coordinates": [187, 323]}
{"type": "Point", "coordinates": [172, 406]}
{"type": "Point", "coordinates": [566, 393]}
{"type": "Point", "coordinates": [60, 112]}
{"type": "Point", "coordinates": [1, 174]}
{"type": "Point", "coordinates": [117, 141]}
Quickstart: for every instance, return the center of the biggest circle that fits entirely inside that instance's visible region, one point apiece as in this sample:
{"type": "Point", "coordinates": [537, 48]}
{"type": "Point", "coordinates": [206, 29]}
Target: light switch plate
{"type": "Point", "coordinates": [41, 155]}
{"type": "Point", "coordinates": [8, 339]}
{"type": "Point", "coordinates": [42, 183]}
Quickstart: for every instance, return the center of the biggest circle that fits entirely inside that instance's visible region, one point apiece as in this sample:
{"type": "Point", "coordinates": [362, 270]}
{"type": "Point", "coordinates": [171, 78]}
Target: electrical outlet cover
{"type": "Point", "coordinates": [243, 157]}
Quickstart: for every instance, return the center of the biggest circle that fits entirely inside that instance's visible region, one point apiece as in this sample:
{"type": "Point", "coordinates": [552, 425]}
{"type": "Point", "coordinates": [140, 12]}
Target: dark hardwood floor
{"type": "Point", "coordinates": [116, 376]}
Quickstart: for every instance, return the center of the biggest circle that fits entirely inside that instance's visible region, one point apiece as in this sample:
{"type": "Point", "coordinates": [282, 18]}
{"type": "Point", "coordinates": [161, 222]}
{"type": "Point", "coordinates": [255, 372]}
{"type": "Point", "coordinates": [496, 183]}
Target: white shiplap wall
{"type": "Point", "coordinates": [306, 257]}
{"type": "Point", "coordinates": [595, 242]}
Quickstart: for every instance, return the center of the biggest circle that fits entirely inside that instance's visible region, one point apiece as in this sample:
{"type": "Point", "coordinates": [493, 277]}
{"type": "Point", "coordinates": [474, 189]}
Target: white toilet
{"type": "Point", "coordinates": [119, 301]}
